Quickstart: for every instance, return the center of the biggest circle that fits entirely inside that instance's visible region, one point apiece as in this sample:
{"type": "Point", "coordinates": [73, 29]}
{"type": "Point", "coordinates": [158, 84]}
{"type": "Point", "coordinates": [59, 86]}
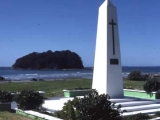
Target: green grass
{"type": "Point", "coordinates": [55, 88]}
{"type": "Point", "coordinates": [134, 84]}
{"type": "Point", "coordinates": [11, 116]}
{"type": "Point", "coordinates": [51, 88]}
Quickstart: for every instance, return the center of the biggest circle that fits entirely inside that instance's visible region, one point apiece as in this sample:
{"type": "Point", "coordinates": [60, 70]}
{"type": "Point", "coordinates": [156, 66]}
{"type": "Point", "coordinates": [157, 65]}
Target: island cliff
{"type": "Point", "coordinates": [49, 60]}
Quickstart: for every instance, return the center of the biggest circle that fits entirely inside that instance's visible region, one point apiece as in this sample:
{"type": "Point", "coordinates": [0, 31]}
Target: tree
{"type": "Point", "coordinates": [29, 100]}
{"type": "Point", "coordinates": [151, 85]}
{"type": "Point", "coordinates": [135, 75]}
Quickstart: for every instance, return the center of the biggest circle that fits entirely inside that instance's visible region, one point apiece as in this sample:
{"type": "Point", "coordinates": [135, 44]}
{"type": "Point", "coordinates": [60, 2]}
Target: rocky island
{"type": "Point", "coordinates": [50, 60]}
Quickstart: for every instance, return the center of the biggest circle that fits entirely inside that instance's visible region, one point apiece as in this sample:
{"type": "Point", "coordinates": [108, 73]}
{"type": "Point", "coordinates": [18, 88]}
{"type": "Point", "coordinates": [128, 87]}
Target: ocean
{"type": "Point", "coordinates": [11, 74]}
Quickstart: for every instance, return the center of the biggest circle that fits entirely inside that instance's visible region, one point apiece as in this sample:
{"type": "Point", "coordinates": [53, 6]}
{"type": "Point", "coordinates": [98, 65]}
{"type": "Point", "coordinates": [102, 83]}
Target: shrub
{"type": "Point", "coordinates": [34, 79]}
{"type": "Point", "coordinates": [57, 114]}
{"type": "Point", "coordinates": [139, 116]}
{"type": "Point", "coordinates": [2, 78]}
{"type": "Point", "coordinates": [157, 113]}
{"type": "Point", "coordinates": [145, 76]}
{"type": "Point", "coordinates": [5, 96]}
{"type": "Point", "coordinates": [29, 100]}
{"type": "Point", "coordinates": [151, 85]}
{"type": "Point", "coordinates": [92, 107]}
{"type": "Point", "coordinates": [137, 75]}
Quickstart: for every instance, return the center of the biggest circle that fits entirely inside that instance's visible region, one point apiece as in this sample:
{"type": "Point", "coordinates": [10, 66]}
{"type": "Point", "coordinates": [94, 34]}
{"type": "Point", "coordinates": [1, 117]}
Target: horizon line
{"type": "Point", "coordinates": [122, 66]}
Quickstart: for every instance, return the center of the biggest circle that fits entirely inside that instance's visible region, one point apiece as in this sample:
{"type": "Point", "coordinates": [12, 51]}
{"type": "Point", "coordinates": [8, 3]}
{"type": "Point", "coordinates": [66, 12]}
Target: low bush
{"type": "Point", "coordinates": [137, 75]}
{"type": "Point", "coordinates": [157, 113]}
{"type": "Point", "coordinates": [151, 85]}
{"type": "Point", "coordinates": [34, 79]}
{"type": "Point", "coordinates": [2, 78]}
{"type": "Point", "coordinates": [92, 107]}
{"type": "Point", "coordinates": [29, 100]}
{"type": "Point", "coordinates": [57, 114]}
{"type": "Point", "coordinates": [5, 96]}
{"type": "Point", "coordinates": [139, 116]}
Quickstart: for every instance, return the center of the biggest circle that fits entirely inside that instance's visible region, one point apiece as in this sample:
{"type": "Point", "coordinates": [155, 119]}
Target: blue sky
{"type": "Point", "coordinates": [41, 25]}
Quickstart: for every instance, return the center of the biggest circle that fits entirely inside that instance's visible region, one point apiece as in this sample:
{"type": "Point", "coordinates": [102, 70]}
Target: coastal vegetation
{"type": "Point", "coordinates": [137, 76]}
{"type": "Point", "coordinates": [2, 78]}
{"type": "Point", "coordinates": [49, 60]}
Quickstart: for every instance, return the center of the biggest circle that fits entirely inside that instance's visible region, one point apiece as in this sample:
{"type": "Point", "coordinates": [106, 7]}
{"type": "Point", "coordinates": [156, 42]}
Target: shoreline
{"type": "Point", "coordinates": [19, 81]}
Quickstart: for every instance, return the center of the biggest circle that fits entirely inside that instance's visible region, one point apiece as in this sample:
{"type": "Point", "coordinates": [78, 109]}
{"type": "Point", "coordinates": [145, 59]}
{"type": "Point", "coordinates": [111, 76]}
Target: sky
{"type": "Point", "coordinates": [39, 25]}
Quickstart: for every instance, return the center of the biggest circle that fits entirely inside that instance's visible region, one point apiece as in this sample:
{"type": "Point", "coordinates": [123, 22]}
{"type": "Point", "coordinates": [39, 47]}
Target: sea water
{"type": "Point", "coordinates": [12, 74]}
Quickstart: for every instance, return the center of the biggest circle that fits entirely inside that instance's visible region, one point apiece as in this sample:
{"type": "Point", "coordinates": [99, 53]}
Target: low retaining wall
{"type": "Point", "coordinates": [35, 115]}
{"type": "Point", "coordinates": [22, 113]}
{"type": "Point", "coordinates": [141, 94]}
{"type": "Point", "coordinates": [5, 106]}
{"type": "Point", "coordinates": [74, 93]}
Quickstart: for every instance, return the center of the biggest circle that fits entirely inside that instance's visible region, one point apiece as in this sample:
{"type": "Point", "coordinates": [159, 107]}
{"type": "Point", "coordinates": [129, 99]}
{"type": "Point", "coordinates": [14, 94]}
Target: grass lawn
{"type": "Point", "coordinates": [55, 88]}
{"type": "Point", "coordinates": [11, 116]}
{"type": "Point", "coordinates": [51, 88]}
{"type": "Point", "coordinates": [134, 84]}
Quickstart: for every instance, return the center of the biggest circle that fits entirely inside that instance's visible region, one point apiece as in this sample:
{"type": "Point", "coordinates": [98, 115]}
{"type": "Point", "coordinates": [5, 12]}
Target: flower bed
{"type": "Point", "coordinates": [76, 92]}
{"type": "Point", "coordinates": [141, 94]}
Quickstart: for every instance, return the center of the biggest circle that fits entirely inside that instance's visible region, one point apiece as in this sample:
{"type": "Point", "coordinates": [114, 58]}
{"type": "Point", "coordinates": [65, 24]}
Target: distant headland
{"type": "Point", "coordinates": [49, 60]}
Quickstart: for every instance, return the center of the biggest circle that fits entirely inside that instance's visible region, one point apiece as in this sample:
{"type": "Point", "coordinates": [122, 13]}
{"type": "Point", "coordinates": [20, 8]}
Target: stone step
{"type": "Point", "coordinates": [70, 98]}
{"type": "Point", "coordinates": [134, 103]}
{"type": "Point", "coordinates": [53, 105]}
{"type": "Point", "coordinates": [149, 111]}
{"type": "Point", "coordinates": [123, 100]}
{"type": "Point", "coordinates": [113, 100]}
{"type": "Point", "coordinates": [141, 107]}
{"type": "Point", "coordinates": [57, 103]}
{"type": "Point", "coordinates": [131, 105]}
{"type": "Point", "coordinates": [157, 118]}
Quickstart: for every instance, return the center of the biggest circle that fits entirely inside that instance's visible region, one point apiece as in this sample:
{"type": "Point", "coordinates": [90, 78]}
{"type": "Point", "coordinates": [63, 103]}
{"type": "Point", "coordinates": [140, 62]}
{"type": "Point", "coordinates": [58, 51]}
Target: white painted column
{"type": "Point", "coordinates": [107, 75]}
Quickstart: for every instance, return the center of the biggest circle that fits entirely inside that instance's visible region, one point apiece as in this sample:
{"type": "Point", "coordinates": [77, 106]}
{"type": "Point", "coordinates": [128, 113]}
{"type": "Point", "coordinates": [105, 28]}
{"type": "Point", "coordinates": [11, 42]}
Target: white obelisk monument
{"type": "Point", "coordinates": [107, 75]}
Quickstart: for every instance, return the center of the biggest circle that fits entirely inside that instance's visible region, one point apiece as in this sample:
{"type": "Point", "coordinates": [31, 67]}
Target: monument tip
{"type": "Point", "coordinates": [110, 3]}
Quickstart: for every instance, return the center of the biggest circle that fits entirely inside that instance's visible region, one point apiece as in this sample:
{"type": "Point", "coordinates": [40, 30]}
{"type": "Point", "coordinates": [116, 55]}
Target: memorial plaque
{"type": "Point", "coordinates": [114, 61]}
